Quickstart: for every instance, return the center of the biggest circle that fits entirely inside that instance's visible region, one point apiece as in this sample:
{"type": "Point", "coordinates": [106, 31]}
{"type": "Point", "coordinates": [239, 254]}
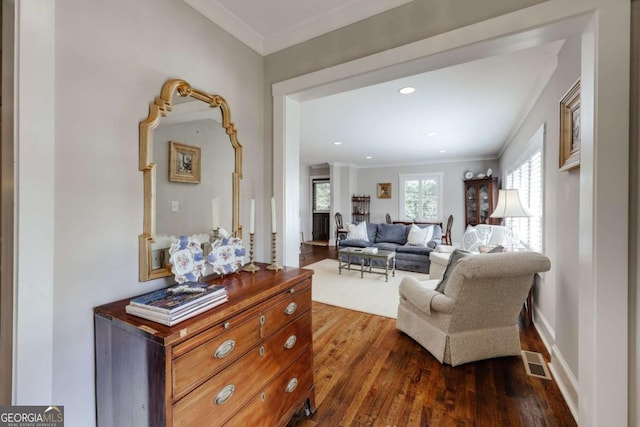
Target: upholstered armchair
{"type": "Point", "coordinates": [476, 315]}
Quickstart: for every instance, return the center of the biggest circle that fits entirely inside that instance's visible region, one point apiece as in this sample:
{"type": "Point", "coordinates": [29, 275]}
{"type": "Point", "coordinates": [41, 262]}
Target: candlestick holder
{"type": "Point", "coordinates": [274, 264]}
{"type": "Point", "coordinates": [251, 267]}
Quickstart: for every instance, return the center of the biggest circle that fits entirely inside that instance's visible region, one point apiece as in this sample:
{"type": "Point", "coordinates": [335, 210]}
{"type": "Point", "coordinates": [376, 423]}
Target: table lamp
{"type": "Point", "coordinates": [510, 206]}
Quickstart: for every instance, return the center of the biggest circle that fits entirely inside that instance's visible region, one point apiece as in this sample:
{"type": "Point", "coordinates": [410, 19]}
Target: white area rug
{"type": "Point", "coordinates": [370, 294]}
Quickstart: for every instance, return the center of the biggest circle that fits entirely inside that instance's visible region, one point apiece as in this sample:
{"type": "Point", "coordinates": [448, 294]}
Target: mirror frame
{"type": "Point", "coordinates": [158, 109]}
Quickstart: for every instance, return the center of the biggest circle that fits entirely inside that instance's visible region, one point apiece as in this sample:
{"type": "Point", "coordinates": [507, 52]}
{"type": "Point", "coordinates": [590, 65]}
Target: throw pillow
{"type": "Point", "coordinates": [391, 233]}
{"type": "Point", "coordinates": [499, 235]}
{"type": "Point", "coordinates": [357, 232]}
{"type": "Point", "coordinates": [419, 236]}
{"type": "Point", "coordinates": [474, 237]}
{"type": "Point", "coordinates": [455, 256]}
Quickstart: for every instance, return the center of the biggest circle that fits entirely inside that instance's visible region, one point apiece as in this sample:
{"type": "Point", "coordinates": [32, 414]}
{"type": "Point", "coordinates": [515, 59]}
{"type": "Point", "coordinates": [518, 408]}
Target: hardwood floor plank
{"type": "Point", "coordinates": [367, 373]}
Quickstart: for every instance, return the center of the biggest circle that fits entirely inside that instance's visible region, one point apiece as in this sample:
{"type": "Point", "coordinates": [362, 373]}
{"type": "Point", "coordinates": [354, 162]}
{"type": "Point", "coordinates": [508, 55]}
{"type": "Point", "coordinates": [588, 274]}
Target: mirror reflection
{"type": "Point", "coordinates": [184, 207]}
{"type": "Point", "coordinates": [192, 163]}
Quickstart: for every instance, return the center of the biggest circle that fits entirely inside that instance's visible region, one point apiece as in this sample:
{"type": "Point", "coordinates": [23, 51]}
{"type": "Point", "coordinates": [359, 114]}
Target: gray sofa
{"type": "Point", "coordinates": [393, 237]}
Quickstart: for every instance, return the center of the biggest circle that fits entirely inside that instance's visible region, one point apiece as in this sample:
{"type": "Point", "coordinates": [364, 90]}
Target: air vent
{"type": "Point", "coordinates": [534, 365]}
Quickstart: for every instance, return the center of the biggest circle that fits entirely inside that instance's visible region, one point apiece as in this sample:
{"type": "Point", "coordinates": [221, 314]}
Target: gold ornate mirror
{"type": "Point", "coordinates": [192, 165]}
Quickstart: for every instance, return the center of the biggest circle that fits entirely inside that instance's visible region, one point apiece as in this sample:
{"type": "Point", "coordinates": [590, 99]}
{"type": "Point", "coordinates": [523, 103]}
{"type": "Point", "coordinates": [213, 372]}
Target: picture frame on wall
{"type": "Point", "coordinates": [184, 163]}
{"type": "Point", "coordinates": [570, 129]}
{"type": "Point", "coordinates": [384, 190]}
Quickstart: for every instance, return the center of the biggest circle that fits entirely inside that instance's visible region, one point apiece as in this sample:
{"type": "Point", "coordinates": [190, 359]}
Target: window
{"type": "Point", "coordinates": [321, 195]}
{"type": "Point", "coordinates": [421, 197]}
{"type": "Point", "coordinates": [526, 176]}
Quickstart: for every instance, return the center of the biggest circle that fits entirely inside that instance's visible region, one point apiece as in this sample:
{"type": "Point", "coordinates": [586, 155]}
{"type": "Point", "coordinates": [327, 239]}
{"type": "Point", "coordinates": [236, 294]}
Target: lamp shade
{"type": "Point", "coordinates": [509, 205]}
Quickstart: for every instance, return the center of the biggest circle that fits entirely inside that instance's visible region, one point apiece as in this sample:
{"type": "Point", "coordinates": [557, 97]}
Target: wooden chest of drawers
{"type": "Point", "coordinates": [248, 361]}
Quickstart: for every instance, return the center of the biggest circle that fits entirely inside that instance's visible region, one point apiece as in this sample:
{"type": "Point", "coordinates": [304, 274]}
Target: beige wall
{"type": "Point", "coordinates": [413, 21]}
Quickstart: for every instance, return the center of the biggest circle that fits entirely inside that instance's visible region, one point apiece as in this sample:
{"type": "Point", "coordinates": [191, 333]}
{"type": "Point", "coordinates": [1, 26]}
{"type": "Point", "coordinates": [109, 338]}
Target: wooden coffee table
{"type": "Point", "coordinates": [388, 257]}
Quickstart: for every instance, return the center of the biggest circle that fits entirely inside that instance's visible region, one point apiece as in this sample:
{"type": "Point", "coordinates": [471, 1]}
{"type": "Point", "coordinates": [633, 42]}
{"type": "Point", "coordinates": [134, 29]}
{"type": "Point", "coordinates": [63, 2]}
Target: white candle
{"type": "Point", "coordinates": [252, 221]}
{"type": "Point", "coordinates": [215, 207]}
{"type": "Point", "coordinates": [273, 215]}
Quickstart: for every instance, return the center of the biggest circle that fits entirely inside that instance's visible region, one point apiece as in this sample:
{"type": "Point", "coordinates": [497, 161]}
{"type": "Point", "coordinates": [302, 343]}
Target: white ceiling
{"type": "Point", "coordinates": [473, 108]}
{"type": "Point", "coordinates": [267, 26]}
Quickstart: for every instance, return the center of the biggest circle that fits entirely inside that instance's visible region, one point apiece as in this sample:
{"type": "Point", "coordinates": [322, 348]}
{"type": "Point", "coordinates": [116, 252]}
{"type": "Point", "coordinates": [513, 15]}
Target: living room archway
{"type": "Point", "coordinates": [515, 31]}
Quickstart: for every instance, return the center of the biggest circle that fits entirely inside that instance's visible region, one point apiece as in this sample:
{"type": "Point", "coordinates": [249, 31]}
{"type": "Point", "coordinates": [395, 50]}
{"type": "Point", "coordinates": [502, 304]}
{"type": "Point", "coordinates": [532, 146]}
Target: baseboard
{"type": "Point", "coordinates": [566, 381]}
{"type": "Point", "coordinates": [546, 332]}
{"type": "Point", "coordinates": [559, 368]}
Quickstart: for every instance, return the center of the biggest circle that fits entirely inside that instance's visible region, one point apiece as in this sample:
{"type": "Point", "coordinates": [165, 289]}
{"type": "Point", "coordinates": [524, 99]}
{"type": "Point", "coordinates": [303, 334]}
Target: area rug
{"type": "Point", "coordinates": [370, 294]}
{"type": "Point", "coordinates": [317, 243]}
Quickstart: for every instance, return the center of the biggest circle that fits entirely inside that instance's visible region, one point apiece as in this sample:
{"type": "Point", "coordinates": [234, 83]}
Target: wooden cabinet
{"type": "Point", "coordinates": [248, 361]}
{"type": "Point", "coordinates": [481, 197]}
{"type": "Point", "coordinates": [360, 206]}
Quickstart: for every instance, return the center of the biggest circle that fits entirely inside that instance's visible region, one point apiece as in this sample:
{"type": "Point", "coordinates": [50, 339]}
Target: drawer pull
{"type": "Point", "coordinates": [224, 349]}
{"type": "Point", "coordinates": [261, 351]}
{"type": "Point", "coordinates": [225, 394]}
{"type": "Point", "coordinates": [292, 290]}
{"type": "Point", "coordinates": [263, 396]}
{"type": "Point", "coordinates": [291, 308]}
{"type": "Point", "coordinates": [226, 325]}
{"type": "Point", "coordinates": [291, 341]}
{"type": "Point", "coordinates": [262, 319]}
{"type": "Point", "coordinates": [292, 385]}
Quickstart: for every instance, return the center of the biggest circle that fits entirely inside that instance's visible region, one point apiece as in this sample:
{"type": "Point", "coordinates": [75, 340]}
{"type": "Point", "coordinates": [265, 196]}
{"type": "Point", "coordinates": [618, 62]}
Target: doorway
{"type": "Point", "coordinates": [321, 206]}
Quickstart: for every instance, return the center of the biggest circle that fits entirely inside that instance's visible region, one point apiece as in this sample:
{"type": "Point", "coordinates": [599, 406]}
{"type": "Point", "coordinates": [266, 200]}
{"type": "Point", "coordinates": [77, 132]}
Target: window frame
{"type": "Point", "coordinates": [535, 145]}
{"type": "Point", "coordinates": [402, 178]}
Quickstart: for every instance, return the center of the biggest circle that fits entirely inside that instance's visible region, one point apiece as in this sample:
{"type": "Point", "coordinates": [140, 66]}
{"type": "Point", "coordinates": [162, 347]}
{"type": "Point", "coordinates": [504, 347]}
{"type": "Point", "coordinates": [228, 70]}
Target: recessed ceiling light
{"type": "Point", "coordinates": [337, 143]}
{"type": "Point", "coordinates": [407, 90]}
{"type": "Point", "coordinates": [443, 151]}
{"type": "Point", "coordinates": [431, 133]}
{"type": "Point", "coordinates": [369, 157]}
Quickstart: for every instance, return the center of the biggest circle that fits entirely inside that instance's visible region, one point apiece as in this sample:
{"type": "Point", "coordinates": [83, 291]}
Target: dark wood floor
{"type": "Point", "coordinates": [367, 373]}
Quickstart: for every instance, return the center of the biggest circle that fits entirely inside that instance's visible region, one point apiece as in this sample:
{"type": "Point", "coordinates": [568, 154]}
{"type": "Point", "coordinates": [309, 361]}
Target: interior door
{"type": "Point", "coordinates": [321, 226]}
{"type": "Point", "coordinates": [321, 207]}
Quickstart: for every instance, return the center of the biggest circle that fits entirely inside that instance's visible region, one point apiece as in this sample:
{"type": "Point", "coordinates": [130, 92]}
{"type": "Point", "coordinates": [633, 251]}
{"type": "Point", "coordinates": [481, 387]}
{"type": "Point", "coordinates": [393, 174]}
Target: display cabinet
{"type": "Point", "coordinates": [360, 208]}
{"type": "Point", "coordinates": [481, 196]}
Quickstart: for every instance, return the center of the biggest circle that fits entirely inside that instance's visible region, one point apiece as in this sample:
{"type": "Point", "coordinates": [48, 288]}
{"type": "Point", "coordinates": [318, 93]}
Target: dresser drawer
{"type": "Point", "coordinates": [273, 406]}
{"type": "Point", "coordinates": [221, 396]}
{"type": "Point", "coordinates": [200, 363]}
{"type": "Point", "coordinates": [286, 310]}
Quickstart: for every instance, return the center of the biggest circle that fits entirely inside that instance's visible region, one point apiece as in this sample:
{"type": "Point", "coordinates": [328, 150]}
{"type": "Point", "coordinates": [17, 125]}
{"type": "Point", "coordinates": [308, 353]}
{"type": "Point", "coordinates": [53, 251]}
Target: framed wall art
{"type": "Point", "coordinates": [184, 163]}
{"type": "Point", "coordinates": [570, 129]}
{"type": "Point", "coordinates": [384, 190]}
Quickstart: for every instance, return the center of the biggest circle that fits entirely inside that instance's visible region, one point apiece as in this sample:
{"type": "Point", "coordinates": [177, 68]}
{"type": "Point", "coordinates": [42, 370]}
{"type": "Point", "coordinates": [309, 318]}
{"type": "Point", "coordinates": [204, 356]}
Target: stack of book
{"type": "Point", "coordinates": [177, 303]}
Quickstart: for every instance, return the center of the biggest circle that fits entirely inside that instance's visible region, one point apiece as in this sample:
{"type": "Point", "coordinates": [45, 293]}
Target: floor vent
{"type": "Point", "coordinates": [534, 365]}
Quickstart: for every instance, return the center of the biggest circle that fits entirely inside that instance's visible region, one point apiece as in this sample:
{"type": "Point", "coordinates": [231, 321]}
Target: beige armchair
{"type": "Point", "coordinates": [476, 317]}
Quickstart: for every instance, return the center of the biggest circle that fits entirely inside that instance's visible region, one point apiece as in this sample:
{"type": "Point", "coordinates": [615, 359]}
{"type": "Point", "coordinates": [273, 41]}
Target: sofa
{"type": "Point", "coordinates": [412, 243]}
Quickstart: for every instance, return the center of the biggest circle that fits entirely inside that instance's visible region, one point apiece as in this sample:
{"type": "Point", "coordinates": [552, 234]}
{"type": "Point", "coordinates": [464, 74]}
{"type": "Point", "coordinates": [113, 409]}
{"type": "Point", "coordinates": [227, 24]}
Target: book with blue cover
{"type": "Point", "coordinates": [178, 297]}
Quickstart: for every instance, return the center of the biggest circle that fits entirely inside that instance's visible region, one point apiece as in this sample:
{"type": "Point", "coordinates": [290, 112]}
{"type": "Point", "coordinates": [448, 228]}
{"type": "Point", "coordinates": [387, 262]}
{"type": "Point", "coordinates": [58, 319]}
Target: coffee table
{"type": "Point", "coordinates": [388, 257]}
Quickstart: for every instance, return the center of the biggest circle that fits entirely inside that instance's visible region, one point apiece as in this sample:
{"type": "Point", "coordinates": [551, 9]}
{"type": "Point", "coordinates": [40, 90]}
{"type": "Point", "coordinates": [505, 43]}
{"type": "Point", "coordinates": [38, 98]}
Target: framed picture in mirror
{"type": "Point", "coordinates": [184, 163]}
